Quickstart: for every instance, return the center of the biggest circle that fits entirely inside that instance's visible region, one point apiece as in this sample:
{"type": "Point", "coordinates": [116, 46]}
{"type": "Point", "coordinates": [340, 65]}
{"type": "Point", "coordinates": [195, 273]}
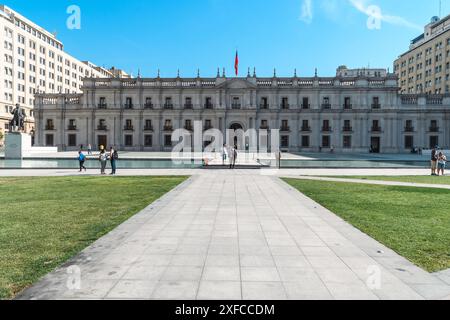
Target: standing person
{"type": "Point", "coordinates": [230, 155]}
{"type": "Point", "coordinates": [224, 154]}
{"type": "Point", "coordinates": [433, 161]}
{"type": "Point", "coordinates": [442, 159]}
{"type": "Point", "coordinates": [89, 149]}
{"type": "Point", "coordinates": [113, 156]}
{"type": "Point", "coordinates": [103, 158]}
{"type": "Point", "coordinates": [81, 160]}
{"type": "Point", "coordinates": [235, 155]}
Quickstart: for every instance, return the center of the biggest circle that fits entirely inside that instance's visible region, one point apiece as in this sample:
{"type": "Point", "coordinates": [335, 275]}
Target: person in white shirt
{"type": "Point", "coordinates": [224, 154]}
{"type": "Point", "coordinates": [441, 159]}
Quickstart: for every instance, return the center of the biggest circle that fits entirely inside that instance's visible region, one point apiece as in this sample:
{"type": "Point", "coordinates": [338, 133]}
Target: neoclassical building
{"type": "Point", "coordinates": [355, 111]}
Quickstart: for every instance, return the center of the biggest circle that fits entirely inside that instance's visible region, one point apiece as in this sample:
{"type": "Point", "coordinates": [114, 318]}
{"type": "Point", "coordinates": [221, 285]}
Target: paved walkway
{"type": "Point", "coordinates": [223, 235]}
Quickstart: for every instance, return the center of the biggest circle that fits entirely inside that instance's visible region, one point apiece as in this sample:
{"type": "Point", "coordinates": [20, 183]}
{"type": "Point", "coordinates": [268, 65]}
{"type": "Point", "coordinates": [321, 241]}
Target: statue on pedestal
{"type": "Point", "coordinates": [17, 123]}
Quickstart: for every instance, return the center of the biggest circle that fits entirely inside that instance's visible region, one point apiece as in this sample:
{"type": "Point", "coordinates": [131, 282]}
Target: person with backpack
{"type": "Point", "coordinates": [103, 158]}
{"type": "Point", "coordinates": [81, 160]}
{"type": "Point", "coordinates": [113, 157]}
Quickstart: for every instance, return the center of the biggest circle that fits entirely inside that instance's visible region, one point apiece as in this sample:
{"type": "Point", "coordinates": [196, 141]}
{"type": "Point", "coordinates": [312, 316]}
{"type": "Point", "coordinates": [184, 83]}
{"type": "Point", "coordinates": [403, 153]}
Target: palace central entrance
{"type": "Point", "coordinates": [237, 126]}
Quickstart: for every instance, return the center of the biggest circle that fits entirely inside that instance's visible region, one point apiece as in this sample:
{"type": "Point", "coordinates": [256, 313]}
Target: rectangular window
{"type": "Point", "coordinates": [188, 103]}
{"type": "Point", "coordinates": [376, 103]}
{"type": "Point", "coordinates": [305, 104]}
{"type": "Point", "coordinates": [305, 141]}
{"type": "Point", "coordinates": [434, 141]}
{"type": "Point", "coordinates": [148, 102]}
{"type": "Point", "coordinates": [208, 103]}
{"type": "Point", "coordinates": [129, 103]}
{"type": "Point", "coordinates": [128, 140]}
{"type": "Point", "coordinates": [167, 140]}
{"type": "Point", "coordinates": [347, 103]}
{"type": "Point", "coordinates": [285, 141]}
{"type": "Point", "coordinates": [325, 141]}
{"type": "Point", "coordinates": [168, 103]}
{"type": "Point", "coordinates": [347, 125]}
{"type": "Point", "coordinates": [285, 103]}
{"type": "Point", "coordinates": [49, 140]}
{"type": "Point", "coordinates": [72, 140]}
{"type": "Point", "coordinates": [148, 140]}
{"type": "Point", "coordinates": [264, 103]}
{"type": "Point", "coordinates": [409, 142]}
{"type": "Point", "coordinates": [347, 142]}
{"type": "Point", "coordinates": [148, 125]}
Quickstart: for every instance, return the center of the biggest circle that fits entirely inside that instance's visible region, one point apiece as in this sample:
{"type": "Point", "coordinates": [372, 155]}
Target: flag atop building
{"type": "Point", "coordinates": [236, 64]}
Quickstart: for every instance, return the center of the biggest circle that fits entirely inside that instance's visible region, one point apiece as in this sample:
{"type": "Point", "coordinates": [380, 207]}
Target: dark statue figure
{"type": "Point", "coordinates": [17, 123]}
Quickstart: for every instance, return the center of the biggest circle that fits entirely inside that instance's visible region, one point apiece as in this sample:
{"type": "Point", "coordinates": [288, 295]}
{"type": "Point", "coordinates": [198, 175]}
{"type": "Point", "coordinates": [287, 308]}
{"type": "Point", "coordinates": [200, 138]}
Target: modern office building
{"type": "Point", "coordinates": [357, 112]}
{"type": "Point", "coordinates": [33, 60]}
{"type": "Point", "coordinates": [425, 67]}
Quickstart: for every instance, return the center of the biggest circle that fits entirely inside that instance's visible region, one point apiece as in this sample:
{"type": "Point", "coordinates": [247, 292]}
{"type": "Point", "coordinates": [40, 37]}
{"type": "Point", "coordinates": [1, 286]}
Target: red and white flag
{"type": "Point", "coordinates": [236, 64]}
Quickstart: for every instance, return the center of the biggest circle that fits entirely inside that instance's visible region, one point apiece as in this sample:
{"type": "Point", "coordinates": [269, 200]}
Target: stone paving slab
{"type": "Point", "coordinates": [236, 235]}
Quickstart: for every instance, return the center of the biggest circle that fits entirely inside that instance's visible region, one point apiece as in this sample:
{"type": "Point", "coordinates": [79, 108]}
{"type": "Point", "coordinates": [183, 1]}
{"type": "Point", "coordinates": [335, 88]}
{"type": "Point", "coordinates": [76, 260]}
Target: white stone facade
{"type": "Point", "coordinates": [313, 114]}
{"type": "Point", "coordinates": [32, 60]}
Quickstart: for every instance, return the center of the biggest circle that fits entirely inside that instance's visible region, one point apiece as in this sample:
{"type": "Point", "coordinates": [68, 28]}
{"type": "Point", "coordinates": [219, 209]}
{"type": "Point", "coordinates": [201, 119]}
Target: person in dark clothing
{"type": "Point", "coordinates": [81, 160]}
{"type": "Point", "coordinates": [233, 160]}
{"type": "Point", "coordinates": [113, 156]}
{"type": "Point", "coordinates": [433, 161]}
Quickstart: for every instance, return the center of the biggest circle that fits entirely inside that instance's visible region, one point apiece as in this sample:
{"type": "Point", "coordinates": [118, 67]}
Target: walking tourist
{"type": "Point", "coordinates": [433, 162]}
{"type": "Point", "coordinates": [442, 159]}
{"type": "Point", "coordinates": [81, 160]}
{"type": "Point", "coordinates": [113, 157]}
{"type": "Point", "coordinates": [89, 149]}
{"type": "Point", "coordinates": [103, 158]}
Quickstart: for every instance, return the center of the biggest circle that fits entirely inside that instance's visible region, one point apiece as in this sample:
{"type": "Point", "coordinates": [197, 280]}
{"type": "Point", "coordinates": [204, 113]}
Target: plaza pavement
{"type": "Point", "coordinates": [235, 235]}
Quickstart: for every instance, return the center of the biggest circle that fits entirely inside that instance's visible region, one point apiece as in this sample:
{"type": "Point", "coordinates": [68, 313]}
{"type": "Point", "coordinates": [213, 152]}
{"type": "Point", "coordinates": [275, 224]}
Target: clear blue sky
{"type": "Point", "coordinates": [191, 34]}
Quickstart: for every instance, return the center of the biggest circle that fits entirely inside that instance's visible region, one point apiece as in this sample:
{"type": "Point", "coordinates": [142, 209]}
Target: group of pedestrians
{"type": "Point", "coordinates": [231, 154]}
{"type": "Point", "coordinates": [103, 158]}
{"type": "Point", "coordinates": [438, 162]}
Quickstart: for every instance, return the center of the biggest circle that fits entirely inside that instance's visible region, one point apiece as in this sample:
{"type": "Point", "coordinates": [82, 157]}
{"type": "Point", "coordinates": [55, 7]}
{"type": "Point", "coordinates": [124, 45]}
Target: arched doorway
{"type": "Point", "coordinates": [236, 126]}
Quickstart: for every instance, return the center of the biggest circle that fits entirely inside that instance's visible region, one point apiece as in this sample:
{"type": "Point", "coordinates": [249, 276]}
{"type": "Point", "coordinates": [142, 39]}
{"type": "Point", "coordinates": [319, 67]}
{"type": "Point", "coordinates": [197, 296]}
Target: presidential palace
{"type": "Point", "coordinates": [357, 110]}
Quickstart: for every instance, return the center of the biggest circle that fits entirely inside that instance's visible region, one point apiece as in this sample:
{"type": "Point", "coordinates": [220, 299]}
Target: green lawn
{"type": "Point", "coordinates": [46, 221]}
{"type": "Point", "coordinates": [414, 179]}
{"type": "Point", "coordinates": [414, 222]}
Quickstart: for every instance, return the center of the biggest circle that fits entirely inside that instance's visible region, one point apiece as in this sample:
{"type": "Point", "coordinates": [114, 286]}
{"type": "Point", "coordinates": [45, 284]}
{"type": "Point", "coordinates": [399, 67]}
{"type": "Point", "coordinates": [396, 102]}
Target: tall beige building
{"type": "Point", "coordinates": [425, 68]}
{"type": "Point", "coordinates": [33, 61]}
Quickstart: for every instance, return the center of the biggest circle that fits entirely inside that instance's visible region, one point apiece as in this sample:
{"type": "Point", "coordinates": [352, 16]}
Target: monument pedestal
{"type": "Point", "coordinates": [17, 145]}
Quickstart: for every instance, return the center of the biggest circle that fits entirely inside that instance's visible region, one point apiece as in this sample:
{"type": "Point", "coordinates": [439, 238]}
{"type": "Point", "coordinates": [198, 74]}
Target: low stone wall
{"type": "Point", "coordinates": [428, 152]}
